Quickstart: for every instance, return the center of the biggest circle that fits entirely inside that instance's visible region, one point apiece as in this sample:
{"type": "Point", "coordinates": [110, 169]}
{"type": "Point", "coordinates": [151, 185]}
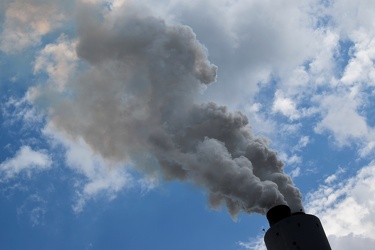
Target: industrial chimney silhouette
{"type": "Point", "coordinates": [294, 231]}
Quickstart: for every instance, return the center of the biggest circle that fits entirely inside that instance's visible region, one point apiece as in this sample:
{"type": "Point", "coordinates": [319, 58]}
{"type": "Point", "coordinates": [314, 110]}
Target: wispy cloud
{"type": "Point", "coordinates": [26, 160]}
{"type": "Point", "coordinates": [302, 143]}
{"type": "Point", "coordinates": [253, 244]}
{"type": "Point", "coordinates": [19, 110]}
{"type": "Point", "coordinates": [35, 208]}
{"type": "Point", "coordinates": [95, 176]}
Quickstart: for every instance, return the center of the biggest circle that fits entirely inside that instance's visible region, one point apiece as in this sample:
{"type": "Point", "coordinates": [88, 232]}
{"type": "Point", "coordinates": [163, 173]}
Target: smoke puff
{"type": "Point", "coordinates": [135, 103]}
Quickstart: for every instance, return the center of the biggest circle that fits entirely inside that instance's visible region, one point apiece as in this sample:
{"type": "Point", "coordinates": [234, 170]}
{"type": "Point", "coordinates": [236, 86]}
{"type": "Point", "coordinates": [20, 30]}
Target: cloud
{"type": "Point", "coordinates": [58, 60]}
{"type": "Point", "coordinates": [341, 117]}
{"type": "Point", "coordinates": [295, 172]}
{"type": "Point", "coordinates": [333, 83]}
{"type": "Point", "coordinates": [250, 51]}
{"type": "Point", "coordinates": [294, 83]}
{"type": "Point", "coordinates": [96, 177]}
{"type": "Point", "coordinates": [322, 68]}
{"type": "Point", "coordinates": [285, 106]}
{"type": "Point", "coordinates": [302, 143]}
{"type": "Point", "coordinates": [26, 160]}
{"type": "Point", "coordinates": [350, 17]}
{"type": "Point", "coordinates": [367, 148]}
{"type": "Point", "coordinates": [360, 68]}
{"type": "Point", "coordinates": [15, 110]}
{"type": "Point", "coordinates": [350, 242]}
{"type": "Point", "coordinates": [26, 22]}
{"type": "Point", "coordinates": [346, 208]}
{"type": "Point", "coordinates": [290, 160]}
{"type": "Point", "coordinates": [333, 178]}
{"type": "Point", "coordinates": [35, 208]}
{"type": "Point", "coordinates": [260, 123]}
{"type": "Point", "coordinates": [253, 244]}
{"type": "Point", "coordinates": [345, 93]}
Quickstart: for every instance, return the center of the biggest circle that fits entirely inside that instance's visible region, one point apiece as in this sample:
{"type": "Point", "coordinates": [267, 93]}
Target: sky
{"type": "Point", "coordinates": [177, 124]}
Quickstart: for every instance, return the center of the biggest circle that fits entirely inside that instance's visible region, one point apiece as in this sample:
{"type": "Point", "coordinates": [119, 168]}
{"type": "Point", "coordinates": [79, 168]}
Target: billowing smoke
{"type": "Point", "coordinates": [135, 103]}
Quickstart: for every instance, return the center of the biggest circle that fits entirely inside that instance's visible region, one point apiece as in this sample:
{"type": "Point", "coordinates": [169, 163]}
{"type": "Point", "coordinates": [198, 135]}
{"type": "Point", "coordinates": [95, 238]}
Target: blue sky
{"type": "Point", "coordinates": [95, 93]}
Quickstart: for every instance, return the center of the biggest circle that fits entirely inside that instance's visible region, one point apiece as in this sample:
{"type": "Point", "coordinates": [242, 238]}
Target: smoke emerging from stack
{"type": "Point", "coordinates": [135, 103]}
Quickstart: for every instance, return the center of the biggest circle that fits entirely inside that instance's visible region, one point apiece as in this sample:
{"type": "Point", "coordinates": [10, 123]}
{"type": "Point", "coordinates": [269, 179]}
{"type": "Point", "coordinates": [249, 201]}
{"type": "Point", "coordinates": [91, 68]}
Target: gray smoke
{"type": "Point", "coordinates": [135, 103]}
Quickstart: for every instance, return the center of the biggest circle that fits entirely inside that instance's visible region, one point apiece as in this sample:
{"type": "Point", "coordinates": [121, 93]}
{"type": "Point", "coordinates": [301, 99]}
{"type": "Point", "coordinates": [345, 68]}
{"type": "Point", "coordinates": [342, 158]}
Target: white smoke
{"type": "Point", "coordinates": [135, 103]}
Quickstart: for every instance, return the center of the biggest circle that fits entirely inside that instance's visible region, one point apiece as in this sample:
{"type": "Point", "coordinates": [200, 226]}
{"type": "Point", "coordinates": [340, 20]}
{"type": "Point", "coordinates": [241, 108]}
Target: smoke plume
{"type": "Point", "coordinates": [135, 102]}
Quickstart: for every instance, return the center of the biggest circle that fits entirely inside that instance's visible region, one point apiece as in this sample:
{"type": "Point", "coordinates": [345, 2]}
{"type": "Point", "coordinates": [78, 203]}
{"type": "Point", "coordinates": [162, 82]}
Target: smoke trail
{"type": "Point", "coordinates": [136, 104]}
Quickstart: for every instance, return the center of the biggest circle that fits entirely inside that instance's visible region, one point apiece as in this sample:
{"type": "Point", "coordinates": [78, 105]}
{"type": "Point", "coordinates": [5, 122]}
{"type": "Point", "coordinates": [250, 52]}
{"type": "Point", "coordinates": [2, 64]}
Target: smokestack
{"type": "Point", "coordinates": [294, 231]}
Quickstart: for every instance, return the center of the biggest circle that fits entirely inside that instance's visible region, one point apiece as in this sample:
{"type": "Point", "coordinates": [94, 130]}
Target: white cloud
{"type": "Point", "coordinates": [259, 122]}
{"type": "Point", "coordinates": [147, 184]}
{"type": "Point", "coordinates": [107, 182]}
{"type": "Point", "coordinates": [350, 16]}
{"type": "Point", "coordinates": [253, 244]}
{"type": "Point", "coordinates": [26, 22]}
{"type": "Point", "coordinates": [341, 117]}
{"type": "Point", "coordinates": [289, 129]}
{"type": "Point", "coordinates": [15, 110]}
{"type": "Point", "coordinates": [350, 242]}
{"type": "Point", "coordinates": [367, 148]}
{"type": "Point", "coordinates": [322, 67]}
{"type": "Point", "coordinates": [274, 39]}
{"type": "Point", "coordinates": [58, 60]}
{"type": "Point", "coordinates": [98, 177]}
{"type": "Point", "coordinates": [346, 208]}
{"type": "Point", "coordinates": [343, 99]}
{"type": "Point", "coordinates": [302, 143]}
{"type": "Point", "coordinates": [361, 66]}
{"type": "Point", "coordinates": [297, 80]}
{"type": "Point", "coordinates": [332, 178]}
{"type": "Point", "coordinates": [295, 172]}
{"type": "Point", "coordinates": [26, 160]}
{"type": "Point", "coordinates": [296, 94]}
{"type": "Point", "coordinates": [290, 160]}
{"type": "Point", "coordinates": [285, 106]}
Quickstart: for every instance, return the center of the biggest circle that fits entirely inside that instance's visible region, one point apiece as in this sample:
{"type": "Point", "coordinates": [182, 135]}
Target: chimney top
{"type": "Point", "coordinates": [278, 213]}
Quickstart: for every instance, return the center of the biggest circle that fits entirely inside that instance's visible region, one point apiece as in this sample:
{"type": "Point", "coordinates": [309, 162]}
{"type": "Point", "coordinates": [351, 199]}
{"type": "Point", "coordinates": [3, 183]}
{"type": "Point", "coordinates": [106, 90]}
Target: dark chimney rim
{"type": "Point", "coordinates": [278, 213]}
